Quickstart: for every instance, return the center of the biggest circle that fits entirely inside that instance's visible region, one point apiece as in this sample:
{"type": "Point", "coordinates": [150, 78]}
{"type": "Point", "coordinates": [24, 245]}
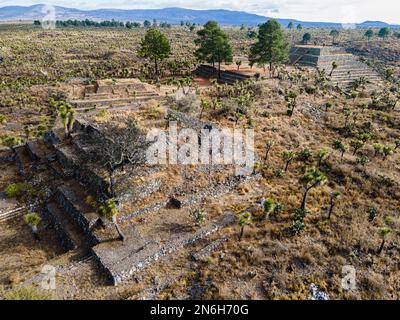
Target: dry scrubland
{"type": "Point", "coordinates": [269, 262]}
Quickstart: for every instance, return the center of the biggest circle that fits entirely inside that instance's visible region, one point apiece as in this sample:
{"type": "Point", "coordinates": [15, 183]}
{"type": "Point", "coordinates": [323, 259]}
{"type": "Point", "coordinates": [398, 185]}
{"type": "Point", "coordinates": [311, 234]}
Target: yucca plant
{"type": "Point", "coordinates": [199, 216]}
{"type": "Point", "coordinates": [244, 220]}
{"type": "Point", "coordinates": [110, 212]}
{"type": "Point", "coordinates": [356, 144]}
{"type": "Point", "coordinates": [268, 206]}
{"type": "Point", "coordinates": [372, 214]}
{"type": "Point", "coordinates": [322, 155]}
{"type": "Point", "coordinates": [338, 145]}
{"type": "Point", "coordinates": [378, 147]}
{"type": "Point", "coordinates": [66, 112]}
{"type": "Point", "coordinates": [33, 220]}
{"type": "Point", "coordinates": [333, 197]}
{"type": "Point", "coordinates": [269, 145]}
{"type": "Point", "coordinates": [311, 179]}
{"type": "Point", "coordinates": [387, 151]}
{"type": "Point", "coordinates": [396, 145]}
{"type": "Point", "coordinates": [287, 156]}
{"type": "Point", "coordinates": [383, 233]}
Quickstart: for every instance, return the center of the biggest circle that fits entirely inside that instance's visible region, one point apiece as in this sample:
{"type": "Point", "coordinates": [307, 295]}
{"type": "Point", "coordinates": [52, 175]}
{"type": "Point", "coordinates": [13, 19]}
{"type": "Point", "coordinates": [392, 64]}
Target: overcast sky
{"type": "Point", "coordinates": [307, 10]}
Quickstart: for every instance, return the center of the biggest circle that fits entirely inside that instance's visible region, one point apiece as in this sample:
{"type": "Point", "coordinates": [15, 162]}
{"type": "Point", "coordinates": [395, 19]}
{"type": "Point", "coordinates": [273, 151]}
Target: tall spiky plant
{"type": "Point", "coordinates": [333, 197]}
{"type": "Point", "coordinates": [110, 212]}
{"type": "Point", "coordinates": [383, 233]}
{"type": "Point", "coordinates": [311, 179]}
{"type": "Point", "coordinates": [33, 220]}
{"type": "Point", "coordinates": [244, 220]}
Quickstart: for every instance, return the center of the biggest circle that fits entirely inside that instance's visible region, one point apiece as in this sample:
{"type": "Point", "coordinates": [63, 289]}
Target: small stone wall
{"type": "Point", "coordinates": [19, 150]}
{"type": "Point", "coordinates": [6, 155]}
{"type": "Point", "coordinates": [189, 122]}
{"type": "Point", "coordinates": [206, 251]}
{"type": "Point", "coordinates": [50, 137]}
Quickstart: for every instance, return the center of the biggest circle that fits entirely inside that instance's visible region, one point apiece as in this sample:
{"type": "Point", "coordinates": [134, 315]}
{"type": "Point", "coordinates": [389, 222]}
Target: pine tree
{"type": "Point", "coordinates": [271, 46]}
{"type": "Point", "coordinates": [155, 46]}
{"type": "Point", "coordinates": [213, 45]}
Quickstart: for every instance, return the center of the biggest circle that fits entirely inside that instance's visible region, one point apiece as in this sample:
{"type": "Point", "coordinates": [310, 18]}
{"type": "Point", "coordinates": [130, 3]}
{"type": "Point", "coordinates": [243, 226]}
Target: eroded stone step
{"type": "Point", "coordinates": [70, 234]}
{"type": "Point", "coordinates": [71, 198]}
{"type": "Point", "coordinates": [40, 151]}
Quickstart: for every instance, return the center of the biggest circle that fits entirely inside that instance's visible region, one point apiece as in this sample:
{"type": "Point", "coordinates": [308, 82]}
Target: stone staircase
{"type": "Point", "coordinates": [349, 67]}
{"type": "Point", "coordinates": [228, 77]}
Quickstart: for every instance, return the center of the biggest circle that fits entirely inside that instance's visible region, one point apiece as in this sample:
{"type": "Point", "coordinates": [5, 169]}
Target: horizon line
{"type": "Point", "coordinates": [208, 9]}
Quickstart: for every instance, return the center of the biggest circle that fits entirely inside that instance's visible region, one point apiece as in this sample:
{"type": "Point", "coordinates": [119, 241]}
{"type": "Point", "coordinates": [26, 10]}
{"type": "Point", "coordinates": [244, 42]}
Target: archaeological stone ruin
{"type": "Point", "coordinates": [349, 67]}
{"type": "Point", "coordinates": [152, 200]}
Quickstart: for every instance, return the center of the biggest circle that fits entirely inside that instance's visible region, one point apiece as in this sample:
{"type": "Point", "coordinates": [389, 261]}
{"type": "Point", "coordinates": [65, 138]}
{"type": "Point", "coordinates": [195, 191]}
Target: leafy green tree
{"type": "Point", "coordinates": [311, 179]}
{"type": "Point", "coordinates": [290, 25]}
{"type": "Point", "coordinates": [213, 45]}
{"type": "Point", "coordinates": [306, 38]}
{"type": "Point", "coordinates": [244, 220]}
{"type": "Point", "coordinates": [33, 220]}
{"type": "Point", "coordinates": [299, 27]}
{"type": "Point", "coordinates": [334, 34]}
{"type": "Point", "coordinates": [110, 212]}
{"type": "Point", "coordinates": [384, 32]}
{"type": "Point", "coordinates": [369, 34]}
{"type": "Point", "coordinates": [383, 233]}
{"type": "Point", "coordinates": [155, 46]}
{"type": "Point", "coordinates": [271, 46]}
{"type": "Point", "coordinates": [333, 197]}
{"type": "Point", "coordinates": [147, 24]}
{"type": "Point", "coordinates": [287, 156]}
{"type": "Point", "coordinates": [238, 64]}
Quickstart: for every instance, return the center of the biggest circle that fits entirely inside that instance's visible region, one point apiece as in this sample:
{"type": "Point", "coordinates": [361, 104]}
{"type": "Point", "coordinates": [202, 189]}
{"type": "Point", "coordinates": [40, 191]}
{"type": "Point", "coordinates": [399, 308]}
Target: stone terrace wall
{"type": "Point", "coordinates": [128, 262]}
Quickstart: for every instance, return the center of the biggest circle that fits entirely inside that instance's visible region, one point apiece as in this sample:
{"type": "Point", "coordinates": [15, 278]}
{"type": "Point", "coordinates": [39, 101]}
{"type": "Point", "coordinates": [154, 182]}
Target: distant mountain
{"type": "Point", "coordinates": [170, 15]}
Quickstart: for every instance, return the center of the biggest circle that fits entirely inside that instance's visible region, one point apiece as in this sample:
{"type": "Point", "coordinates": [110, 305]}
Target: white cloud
{"type": "Point", "coordinates": [307, 10]}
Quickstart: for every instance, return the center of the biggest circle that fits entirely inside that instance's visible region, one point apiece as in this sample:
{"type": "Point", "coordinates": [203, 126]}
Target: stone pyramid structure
{"type": "Point", "coordinates": [114, 92]}
{"type": "Point", "coordinates": [153, 200]}
{"type": "Point", "coordinates": [349, 67]}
